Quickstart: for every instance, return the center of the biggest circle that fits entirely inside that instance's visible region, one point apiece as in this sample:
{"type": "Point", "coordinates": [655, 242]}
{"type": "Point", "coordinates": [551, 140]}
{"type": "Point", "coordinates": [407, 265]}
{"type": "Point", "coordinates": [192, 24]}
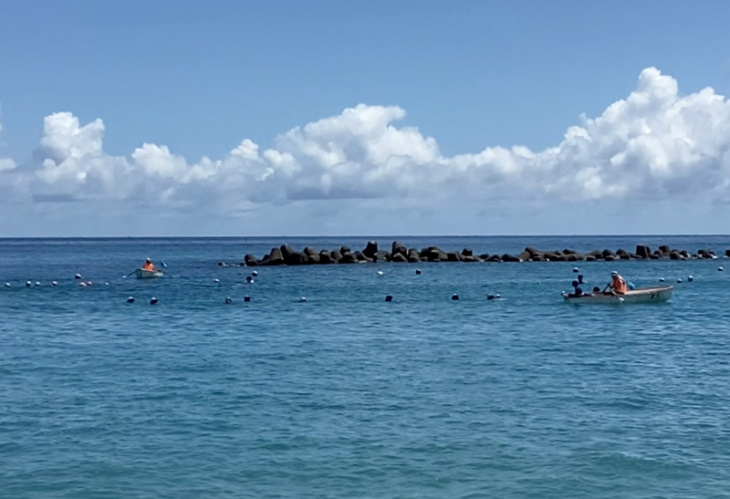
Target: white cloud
{"type": "Point", "coordinates": [655, 144]}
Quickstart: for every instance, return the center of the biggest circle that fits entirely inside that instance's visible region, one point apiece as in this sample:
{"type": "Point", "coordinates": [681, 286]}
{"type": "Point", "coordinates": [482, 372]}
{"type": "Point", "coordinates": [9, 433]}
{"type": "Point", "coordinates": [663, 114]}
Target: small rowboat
{"type": "Point", "coordinates": [656, 294]}
{"type": "Point", "coordinates": [147, 274]}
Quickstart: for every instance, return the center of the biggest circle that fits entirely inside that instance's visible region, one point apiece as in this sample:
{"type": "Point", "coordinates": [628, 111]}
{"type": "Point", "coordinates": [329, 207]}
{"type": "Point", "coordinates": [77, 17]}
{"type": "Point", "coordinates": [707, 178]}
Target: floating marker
{"type": "Point", "coordinates": [54, 283]}
{"type": "Point", "coordinates": [249, 279]}
{"type": "Point", "coordinates": [679, 281]}
{"type": "Point", "coordinates": [82, 284]}
{"type": "Point", "coordinates": [302, 299]}
{"type": "Point", "coordinates": [720, 269]}
{"type": "Point", "coordinates": [380, 272]}
{"type": "Point", "coordinates": [454, 297]}
{"type": "Point", "coordinates": [575, 269]}
{"type": "Point", "coordinates": [490, 297]}
{"type": "Point", "coordinates": [228, 300]}
{"type": "Point", "coordinates": [690, 278]}
{"type": "Point", "coordinates": [389, 298]}
{"type": "Point", "coordinates": [254, 273]}
{"type": "Point", "coordinates": [216, 280]}
{"type": "Point", "coordinates": [246, 298]}
{"type": "Point", "coordinates": [661, 279]}
{"type": "Point", "coordinates": [7, 284]}
{"type": "Point", "coordinates": [28, 284]}
{"type": "Point", "coordinates": [37, 283]}
{"type": "Point", "coordinates": [77, 276]}
{"type": "Point", "coordinates": [418, 271]}
{"type": "Point", "coordinates": [153, 301]}
{"type": "Point", "coordinates": [130, 299]}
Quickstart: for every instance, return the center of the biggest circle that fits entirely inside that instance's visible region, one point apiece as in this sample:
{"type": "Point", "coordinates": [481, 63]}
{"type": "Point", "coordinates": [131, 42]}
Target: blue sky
{"type": "Point", "coordinates": [363, 118]}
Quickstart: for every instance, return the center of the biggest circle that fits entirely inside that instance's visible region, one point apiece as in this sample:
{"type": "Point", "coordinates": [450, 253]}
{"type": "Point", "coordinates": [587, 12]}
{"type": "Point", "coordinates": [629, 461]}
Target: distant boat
{"type": "Point", "coordinates": [656, 294]}
{"type": "Point", "coordinates": [147, 274]}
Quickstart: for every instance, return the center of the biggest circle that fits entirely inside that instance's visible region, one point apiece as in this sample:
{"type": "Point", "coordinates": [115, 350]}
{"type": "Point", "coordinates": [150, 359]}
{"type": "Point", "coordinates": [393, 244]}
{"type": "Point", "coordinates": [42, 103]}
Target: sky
{"type": "Point", "coordinates": [303, 118]}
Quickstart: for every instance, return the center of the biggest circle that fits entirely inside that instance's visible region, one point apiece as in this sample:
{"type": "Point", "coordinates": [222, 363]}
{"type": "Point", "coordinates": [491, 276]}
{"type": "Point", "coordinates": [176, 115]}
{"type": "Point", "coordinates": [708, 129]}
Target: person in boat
{"type": "Point", "coordinates": [618, 285]}
{"type": "Point", "coordinates": [148, 265]}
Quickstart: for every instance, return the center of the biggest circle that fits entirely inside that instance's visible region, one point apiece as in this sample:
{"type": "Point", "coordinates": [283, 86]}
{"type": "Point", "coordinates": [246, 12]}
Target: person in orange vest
{"type": "Point", "coordinates": [148, 265]}
{"type": "Point", "coordinates": [618, 284]}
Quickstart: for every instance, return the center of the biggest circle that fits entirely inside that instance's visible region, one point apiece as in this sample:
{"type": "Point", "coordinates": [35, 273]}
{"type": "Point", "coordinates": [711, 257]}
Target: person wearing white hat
{"type": "Point", "coordinates": [617, 286]}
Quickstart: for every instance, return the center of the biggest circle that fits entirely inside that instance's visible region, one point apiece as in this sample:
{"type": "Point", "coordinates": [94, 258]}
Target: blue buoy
{"type": "Point", "coordinates": [228, 300]}
{"type": "Point", "coordinates": [661, 279]}
{"type": "Point", "coordinates": [454, 297]}
{"type": "Point", "coordinates": [7, 284]}
{"type": "Point", "coordinates": [388, 298]}
{"type": "Point", "coordinates": [418, 271]}
{"type": "Point", "coordinates": [490, 297]}
{"type": "Point", "coordinates": [130, 299]}
{"type": "Point", "coordinates": [216, 281]}
{"type": "Point", "coordinates": [575, 269]}
{"type": "Point", "coordinates": [54, 283]}
{"type": "Point", "coordinates": [153, 301]}
{"type": "Point", "coordinates": [28, 284]}
{"type": "Point", "coordinates": [679, 281]}
{"type": "Point", "coordinates": [690, 278]}
{"type": "Point", "coordinates": [254, 273]}
{"type": "Point", "coordinates": [720, 269]}
{"type": "Point", "coordinates": [302, 299]}
{"type": "Point", "coordinates": [246, 298]}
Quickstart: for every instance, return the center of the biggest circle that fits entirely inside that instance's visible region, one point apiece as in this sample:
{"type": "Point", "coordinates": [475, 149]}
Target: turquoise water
{"type": "Point", "coordinates": [347, 395]}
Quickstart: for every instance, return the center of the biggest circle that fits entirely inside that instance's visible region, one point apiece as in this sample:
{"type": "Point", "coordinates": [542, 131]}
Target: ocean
{"type": "Point", "coordinates": [346, 395]}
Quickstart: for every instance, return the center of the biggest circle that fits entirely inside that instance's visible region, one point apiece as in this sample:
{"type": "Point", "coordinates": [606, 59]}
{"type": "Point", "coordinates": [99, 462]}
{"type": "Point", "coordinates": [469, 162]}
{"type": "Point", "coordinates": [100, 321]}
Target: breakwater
{"type": "Point", "coordinates": [399, 253]}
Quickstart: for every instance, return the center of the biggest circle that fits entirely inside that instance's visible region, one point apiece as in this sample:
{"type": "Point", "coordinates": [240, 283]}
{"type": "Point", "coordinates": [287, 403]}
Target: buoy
{"type": "Point", "coordinates": [216, 280]}
{"type": "Point", "coordinates": [380, 272]}
{"type": "Point", "coordinates": [454, 297]}
{"type": "Point", "coordinates": [661, 279]}
{"type": "Point", "coordinates": [153, 301]}
{"type": "Point", "coordinates": [249, 279]}
{"type": "Point", "coordinates": [690, 278]}
{"type": "Point", "coordinates": [28, 284]}
{"type": "Point", "coordinates": [54, 283]}
{"type": "Point", "coordinates": [679, 280]}
{"type": "Point", "coordinates": [575, 269]}
{"type": "Point", "coordinates": [130, 299]}
{"type": "Point", "coordinates": [498, 296]}
{"type": "Point", "coordinates": [490, 297]}
{"type": "Point", "coordinates": [7, 284]}
{"type": "Point", "coordinates": [246, 298]}
{"type": "Point", "coordinates": [720, 269]}
{"type": "Point", "coordinates": [106, 284]}
{"type": "Point", "coordinates": [77, 276]}
{"type": "Point", "coordinates": [302, 299]}
{"type": "Point", "coordinates": [82, 284]}
{"type": "Point", "coordinates": [37, 283]}
{"type": "Point", "coordinates": [418, 271]}
{"type": "Point", "coordinates": [229, 300]}
{"type": "Point", "coordinates": [254, 273]}
{"type": "Point", "coordinates": [388, 298]}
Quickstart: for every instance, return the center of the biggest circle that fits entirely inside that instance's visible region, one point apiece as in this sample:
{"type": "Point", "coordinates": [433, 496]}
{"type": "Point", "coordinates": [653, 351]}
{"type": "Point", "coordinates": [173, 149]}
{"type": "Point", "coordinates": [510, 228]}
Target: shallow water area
{"type": "Point", "coordinates": [347, 395]}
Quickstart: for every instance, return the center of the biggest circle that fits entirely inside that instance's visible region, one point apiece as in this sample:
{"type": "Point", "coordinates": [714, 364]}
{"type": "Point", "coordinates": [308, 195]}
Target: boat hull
{"type": "Point", "coordinates": [657, 294]}
{"type": "Point", "coordinates": [147, 274]}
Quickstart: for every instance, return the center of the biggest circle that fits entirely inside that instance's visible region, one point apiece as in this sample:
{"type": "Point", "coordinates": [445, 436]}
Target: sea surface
{"type": "Point", "coordinates": [347, 395]}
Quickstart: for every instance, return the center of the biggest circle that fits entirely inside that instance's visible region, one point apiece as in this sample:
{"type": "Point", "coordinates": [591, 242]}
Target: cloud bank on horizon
{"type": "Point", "coordinates": [653, 145]}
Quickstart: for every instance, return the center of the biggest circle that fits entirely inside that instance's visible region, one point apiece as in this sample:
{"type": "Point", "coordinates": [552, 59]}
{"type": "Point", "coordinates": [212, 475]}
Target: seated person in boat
{"type": "Point", "coordinates": [577, 291]}
{"type": "Point", "coordinates": [148, 265]}
{"type": "Point", "coordinates": [618, 285]}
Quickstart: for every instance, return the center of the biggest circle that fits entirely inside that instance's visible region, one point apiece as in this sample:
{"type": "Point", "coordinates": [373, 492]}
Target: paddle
{"type": "Point", "coordinates": [131, 273]}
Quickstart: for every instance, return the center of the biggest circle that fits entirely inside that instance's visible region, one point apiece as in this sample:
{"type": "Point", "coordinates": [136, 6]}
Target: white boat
{"type": "Point", "coordinates": [656, 294]}
{"type": "Point", "coordinates": [147, 274]}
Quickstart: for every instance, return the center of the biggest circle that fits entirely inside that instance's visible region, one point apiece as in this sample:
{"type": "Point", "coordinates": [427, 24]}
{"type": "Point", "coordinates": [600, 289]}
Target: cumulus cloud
{"type": "Point", "coordinates": [654, 144]}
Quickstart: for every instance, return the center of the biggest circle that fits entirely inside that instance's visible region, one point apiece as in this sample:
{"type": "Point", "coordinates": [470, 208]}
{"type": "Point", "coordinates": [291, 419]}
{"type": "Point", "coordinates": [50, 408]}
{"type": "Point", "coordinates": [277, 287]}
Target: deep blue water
{"type": "Point", "coordinates": [347, 395]}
